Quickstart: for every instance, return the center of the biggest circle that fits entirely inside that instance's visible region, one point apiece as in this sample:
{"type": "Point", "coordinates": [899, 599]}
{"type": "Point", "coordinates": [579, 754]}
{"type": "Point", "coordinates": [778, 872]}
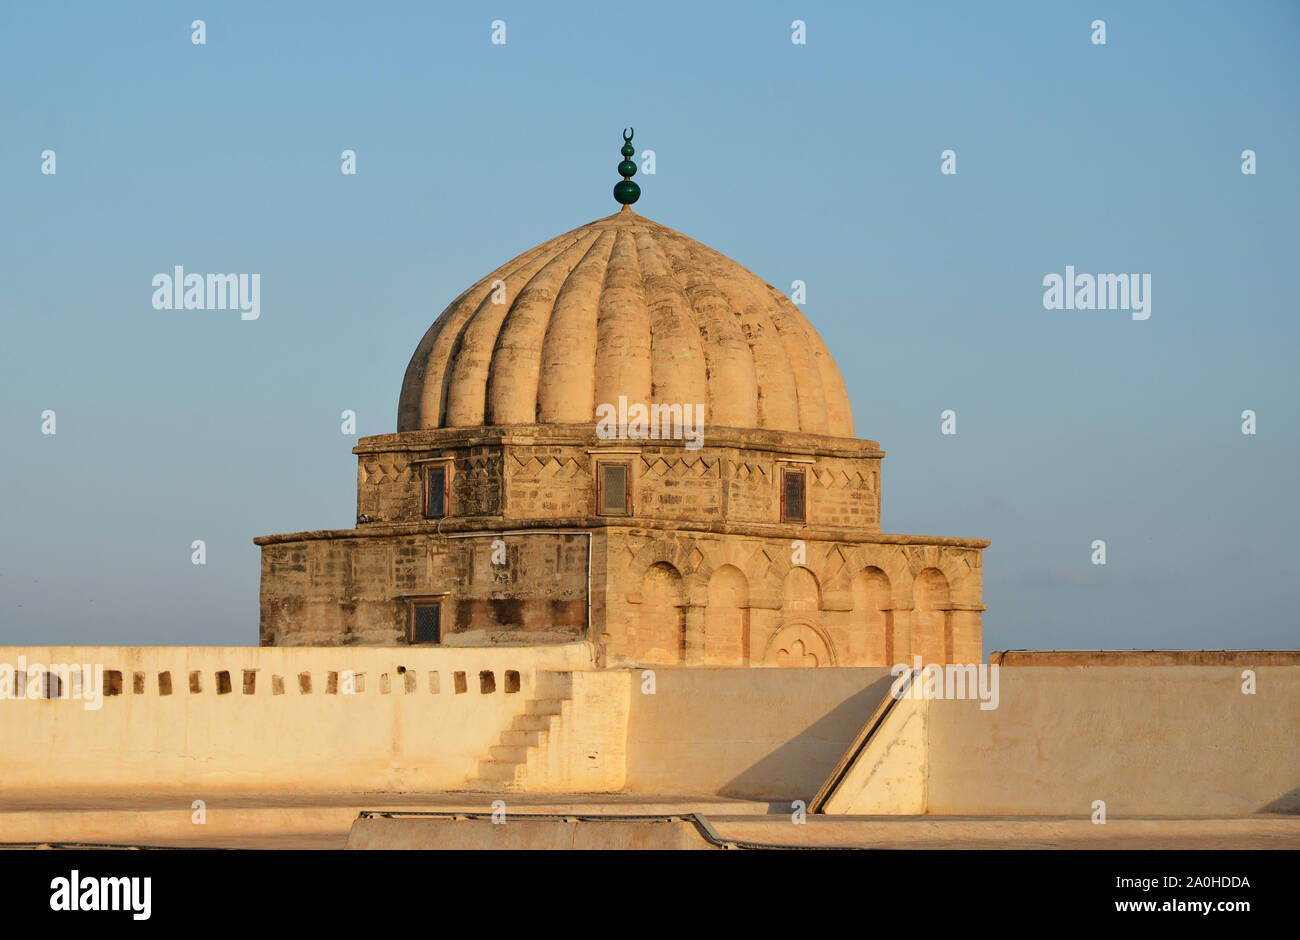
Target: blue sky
{"type": "Point", "coordinates": [817, 162]}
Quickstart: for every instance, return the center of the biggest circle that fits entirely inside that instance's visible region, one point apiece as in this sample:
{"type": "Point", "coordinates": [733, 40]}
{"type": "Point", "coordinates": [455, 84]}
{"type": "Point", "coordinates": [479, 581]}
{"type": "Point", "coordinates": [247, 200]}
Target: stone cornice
{"type": "Point", "coordinates": [488, 525]}
{"type": "Point", "coordinates": [584, 436]}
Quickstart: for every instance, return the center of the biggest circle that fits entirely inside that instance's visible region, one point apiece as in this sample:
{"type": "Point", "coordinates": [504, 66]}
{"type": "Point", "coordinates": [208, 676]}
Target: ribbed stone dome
{"type": "Point", "coordinates": [623, 306]}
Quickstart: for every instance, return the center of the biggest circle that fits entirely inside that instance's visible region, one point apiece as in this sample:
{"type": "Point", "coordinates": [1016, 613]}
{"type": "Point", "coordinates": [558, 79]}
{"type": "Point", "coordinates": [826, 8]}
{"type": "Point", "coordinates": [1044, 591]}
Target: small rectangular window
{"type": "Point", "coordinates": [613, 492]}
{"type": "Point", "coordinates": [792, 496]}
{"type": "Point", "coordinates": [435, 491]}
{"type": "Point", "coordinates": [426, 622]}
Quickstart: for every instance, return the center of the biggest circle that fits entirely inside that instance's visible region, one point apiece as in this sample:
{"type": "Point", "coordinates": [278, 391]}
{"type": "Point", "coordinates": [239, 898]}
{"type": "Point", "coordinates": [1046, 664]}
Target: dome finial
{"type": "Point", "coordinates": [627, 192]}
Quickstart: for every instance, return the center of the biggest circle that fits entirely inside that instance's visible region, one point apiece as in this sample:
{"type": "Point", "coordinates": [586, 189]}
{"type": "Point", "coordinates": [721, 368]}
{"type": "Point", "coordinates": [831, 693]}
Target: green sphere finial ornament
{"type": "Point", "coordinates": [627, 192]}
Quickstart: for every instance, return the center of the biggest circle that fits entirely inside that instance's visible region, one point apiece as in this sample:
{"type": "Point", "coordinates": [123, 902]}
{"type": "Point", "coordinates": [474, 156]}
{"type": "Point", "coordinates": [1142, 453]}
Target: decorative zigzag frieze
{"type": "Point", "coordinates": [385, 471]}
{"type": "Point", "coordinates": [839, 479]}
{"type": "Point", "coordinates": [679, 466]}
{"type": "Point", "coordinates": [546, 468]}
{"type": "Point", "coordinates": [740, 470]}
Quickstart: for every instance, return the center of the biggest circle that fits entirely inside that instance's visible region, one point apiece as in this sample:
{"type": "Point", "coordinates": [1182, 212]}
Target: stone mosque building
{"type": "Point", "coordinates": [624, 471]}
{"type": "Point", "coordinates": [623, 437]}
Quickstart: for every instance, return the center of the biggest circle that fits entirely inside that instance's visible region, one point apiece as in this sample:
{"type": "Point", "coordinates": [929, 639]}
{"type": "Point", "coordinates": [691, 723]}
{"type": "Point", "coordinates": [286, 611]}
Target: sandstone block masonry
{"type": "Point", "coordinates": [702, 558]}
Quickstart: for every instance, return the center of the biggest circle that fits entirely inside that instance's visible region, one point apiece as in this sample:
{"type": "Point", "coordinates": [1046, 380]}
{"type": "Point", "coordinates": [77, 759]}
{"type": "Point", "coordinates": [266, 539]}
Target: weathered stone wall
{"type": "Point", "coordinates": [550, 473]}
{"type": "Point", "coordinates": [703, 571]}
{"type": "Point", "coordinates": [736, 599]}
{"type": "Point", "coordinates": [390, 483]}
{"type": "Point", "coordinates": [549, 481]}
{"type": "Point", "coordinates": [740, 485]}
{"type": "Point", "coordinates": [349, 588]}
{"type": "Point", "coordinates": [664, 595]}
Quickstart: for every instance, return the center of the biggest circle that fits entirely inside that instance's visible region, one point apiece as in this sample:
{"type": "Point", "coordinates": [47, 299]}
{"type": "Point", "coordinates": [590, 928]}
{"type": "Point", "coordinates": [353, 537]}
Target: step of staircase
{"type": "Point", "coordinates": [503, 771]}
{"type": "Point", "coordinates": [536, 723]}
{"type": "Point", "coordinates": [525, 738]}
{"type": "Point", "coordinates": [543, 706]}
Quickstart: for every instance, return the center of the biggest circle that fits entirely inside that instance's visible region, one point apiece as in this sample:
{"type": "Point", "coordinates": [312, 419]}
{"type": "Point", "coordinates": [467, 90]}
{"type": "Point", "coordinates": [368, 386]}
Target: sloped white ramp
{"type": "Point", "coordinates": [883, 772]}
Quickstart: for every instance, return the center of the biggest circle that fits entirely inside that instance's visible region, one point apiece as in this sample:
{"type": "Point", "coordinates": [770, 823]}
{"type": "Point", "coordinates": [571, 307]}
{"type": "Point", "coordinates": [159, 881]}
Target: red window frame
{"type": "Point", "coordinates": [803, 489]}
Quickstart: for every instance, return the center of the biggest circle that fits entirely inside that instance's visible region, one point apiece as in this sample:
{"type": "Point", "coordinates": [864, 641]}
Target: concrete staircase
{"type": "Point", "coordinates": [523, 745]}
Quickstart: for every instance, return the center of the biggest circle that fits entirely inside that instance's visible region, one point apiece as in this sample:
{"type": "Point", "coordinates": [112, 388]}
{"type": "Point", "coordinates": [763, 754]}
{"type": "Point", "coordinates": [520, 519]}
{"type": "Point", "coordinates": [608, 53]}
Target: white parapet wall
{"type": "Point", "coordinates": [263, 718]}
{"type": "Point", "coordinates": [770, 734]}
{"type": "Point", "coordinates": [1151, 738]}
{"type": "Point", "coordinates": [1142, 739]}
